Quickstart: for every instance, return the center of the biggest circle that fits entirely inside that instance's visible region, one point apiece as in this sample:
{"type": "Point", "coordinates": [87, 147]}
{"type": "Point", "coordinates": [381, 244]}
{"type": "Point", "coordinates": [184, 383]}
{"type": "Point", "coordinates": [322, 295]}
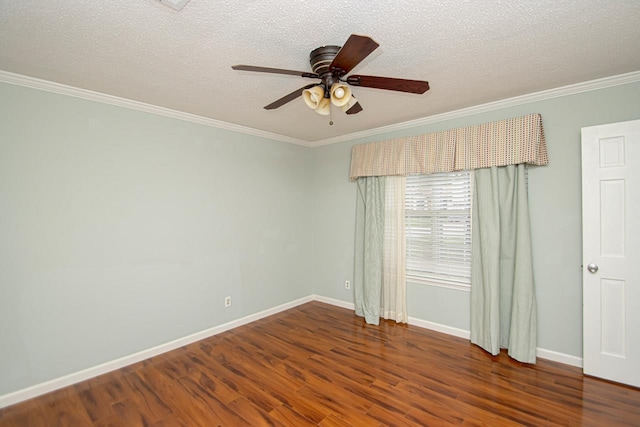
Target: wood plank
{"type": "Point", "coordinates": [288, 417]}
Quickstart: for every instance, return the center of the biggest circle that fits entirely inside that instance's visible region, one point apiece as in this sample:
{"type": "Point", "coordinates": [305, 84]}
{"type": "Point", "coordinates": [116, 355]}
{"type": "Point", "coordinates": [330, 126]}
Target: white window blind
{"type": "Point", "coordinates": [438, 229]}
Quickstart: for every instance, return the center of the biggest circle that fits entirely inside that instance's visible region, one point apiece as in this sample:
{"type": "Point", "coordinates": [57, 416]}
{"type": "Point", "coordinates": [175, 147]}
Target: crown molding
{"type": "Point", "coordinates": [573, 89]}
{"type": "Point", "coordinates": [587, 86]}
{"type": "Point", "coordinates": [32, 82]}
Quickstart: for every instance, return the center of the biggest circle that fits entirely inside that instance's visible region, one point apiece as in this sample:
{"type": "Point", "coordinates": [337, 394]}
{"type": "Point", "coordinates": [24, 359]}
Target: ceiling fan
{"type": "Point", "coordinates": [331, 64]}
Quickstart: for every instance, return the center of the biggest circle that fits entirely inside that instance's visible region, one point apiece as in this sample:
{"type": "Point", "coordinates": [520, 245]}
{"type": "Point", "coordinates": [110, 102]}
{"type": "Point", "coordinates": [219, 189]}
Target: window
{"type": "Point", "coordinates": [438, 229]}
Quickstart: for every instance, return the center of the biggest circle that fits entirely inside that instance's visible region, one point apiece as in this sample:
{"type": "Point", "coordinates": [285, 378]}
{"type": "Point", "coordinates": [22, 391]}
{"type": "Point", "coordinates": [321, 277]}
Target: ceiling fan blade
{"type": "Point", "coordinates": [355, 109]}
{"type": "Point", "coordinates": [389, 83]}
{"type": "Point", "coordinates": [275, 71]}
{"type": "Point", "coordinates": [352, 53]}
{"type": "Point", "coordinates": [288, 98]}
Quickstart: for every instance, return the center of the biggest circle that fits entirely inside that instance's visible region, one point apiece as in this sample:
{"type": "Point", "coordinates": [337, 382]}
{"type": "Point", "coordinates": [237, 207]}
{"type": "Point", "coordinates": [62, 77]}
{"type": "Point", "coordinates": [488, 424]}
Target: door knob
{"type": "Point", "coordinates": [592, 268]}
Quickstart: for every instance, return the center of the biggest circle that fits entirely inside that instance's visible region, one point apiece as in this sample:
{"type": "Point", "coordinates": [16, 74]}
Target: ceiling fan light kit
{"type": "Point", "coordinates": [331, 64]}
{"type": "Point", "coordinates": [315, 97]}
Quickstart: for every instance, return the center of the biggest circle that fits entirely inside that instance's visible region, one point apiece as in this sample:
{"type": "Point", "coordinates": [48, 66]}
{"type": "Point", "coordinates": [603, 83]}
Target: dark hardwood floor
{"type": "Point", "coordinates": [320, 365]}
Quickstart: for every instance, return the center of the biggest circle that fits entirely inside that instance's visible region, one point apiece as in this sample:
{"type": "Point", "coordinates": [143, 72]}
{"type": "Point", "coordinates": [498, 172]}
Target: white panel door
{"type": "Point", "coordinates": [611, 251]}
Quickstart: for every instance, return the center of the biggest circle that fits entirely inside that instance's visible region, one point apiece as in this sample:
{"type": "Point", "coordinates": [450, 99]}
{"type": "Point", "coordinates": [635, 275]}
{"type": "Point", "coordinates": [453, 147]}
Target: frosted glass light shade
{"type": "Point", "coordinates": [340, 94]}
{"type": "Point", "coordinates": [324, 108]}
{"type": "Point", "coordinates": [313, 96]}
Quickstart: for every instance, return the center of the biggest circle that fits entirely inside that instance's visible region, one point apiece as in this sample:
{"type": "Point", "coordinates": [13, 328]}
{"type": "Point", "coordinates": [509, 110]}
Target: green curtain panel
{"type": "Point", "coordinates": [369, 247]}
{"type": "Point", "coordinates": [503, 301]}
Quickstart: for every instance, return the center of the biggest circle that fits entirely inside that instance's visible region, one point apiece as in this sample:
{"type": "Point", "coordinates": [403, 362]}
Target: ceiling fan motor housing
{"type": "Point", "coordinates": [321, 58]}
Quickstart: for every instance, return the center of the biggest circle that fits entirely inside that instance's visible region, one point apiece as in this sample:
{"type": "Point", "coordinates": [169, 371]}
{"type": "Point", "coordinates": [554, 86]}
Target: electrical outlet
{"type": "Point", "coordinates": [227, 301]}
{"type": "Point", "coordinates": [347, 284]}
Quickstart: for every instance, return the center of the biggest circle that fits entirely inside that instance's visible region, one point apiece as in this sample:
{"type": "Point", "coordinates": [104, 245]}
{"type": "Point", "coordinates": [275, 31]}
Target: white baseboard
{"type": "Point", "coordinates": [336, 302]}
{"type": "Point", "coordinates": [554, 356]}
{"type": "Point", "coordinates": [450, 330]}
{"type": "Point", "coordinates": [85, 374]}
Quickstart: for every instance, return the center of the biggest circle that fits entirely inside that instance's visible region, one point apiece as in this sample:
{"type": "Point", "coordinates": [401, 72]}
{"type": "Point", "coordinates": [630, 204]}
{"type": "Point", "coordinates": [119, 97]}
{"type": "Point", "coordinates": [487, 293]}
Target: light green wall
{"type": "Point", "coordinates": [122, 230]}
{"type": "Point", "coordinates": [555, 204]}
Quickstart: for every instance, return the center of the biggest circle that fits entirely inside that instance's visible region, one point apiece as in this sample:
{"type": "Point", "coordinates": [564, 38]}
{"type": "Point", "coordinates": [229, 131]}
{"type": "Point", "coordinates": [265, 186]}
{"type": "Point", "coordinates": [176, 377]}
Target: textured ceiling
{"type": "Point", "coordinates": [471, 52]}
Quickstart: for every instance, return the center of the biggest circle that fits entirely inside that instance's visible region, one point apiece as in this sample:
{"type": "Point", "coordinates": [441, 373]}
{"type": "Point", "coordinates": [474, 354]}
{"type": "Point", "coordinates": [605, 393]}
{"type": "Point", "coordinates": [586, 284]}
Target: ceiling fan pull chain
{"type": "Point", "coordinates": [330, 114]}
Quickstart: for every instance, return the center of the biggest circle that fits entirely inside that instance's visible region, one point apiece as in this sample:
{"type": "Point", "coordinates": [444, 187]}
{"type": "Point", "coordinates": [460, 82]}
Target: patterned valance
{"type": "Point", "coordinates": [505, 142]}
